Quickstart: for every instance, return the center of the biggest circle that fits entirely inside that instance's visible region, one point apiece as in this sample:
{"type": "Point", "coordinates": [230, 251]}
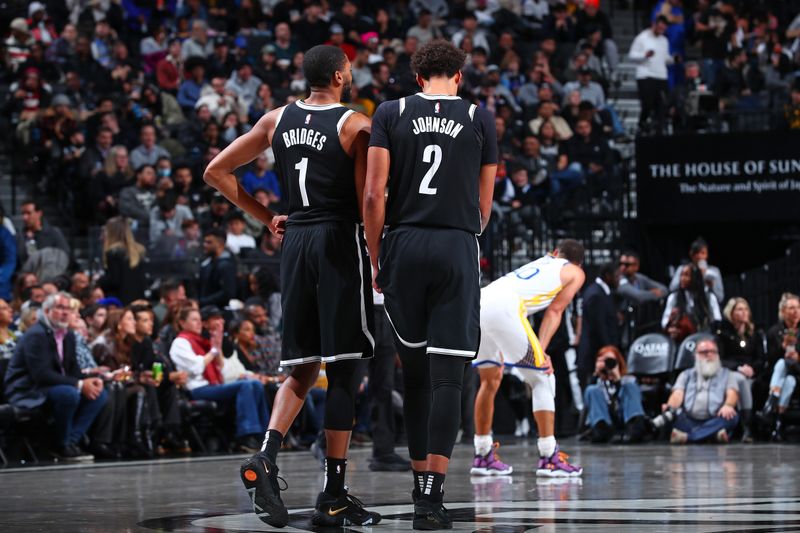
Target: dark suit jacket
{"type": "Point", "coordinates": [217, 280]}
{"type": "Point", "coordinates": [35, 367]}
{"type": "Point", "coordinates": [600, 326]}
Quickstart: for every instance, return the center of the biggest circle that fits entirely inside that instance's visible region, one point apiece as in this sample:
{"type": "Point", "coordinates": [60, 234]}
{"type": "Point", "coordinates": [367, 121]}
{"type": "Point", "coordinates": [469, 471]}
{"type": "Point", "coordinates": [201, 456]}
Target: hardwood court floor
{"type": "Point", "coordinates": [648, 488]}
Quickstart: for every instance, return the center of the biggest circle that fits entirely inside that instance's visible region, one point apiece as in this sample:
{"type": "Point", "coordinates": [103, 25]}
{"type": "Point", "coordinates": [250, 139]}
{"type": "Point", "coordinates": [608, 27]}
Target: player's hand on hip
{"type": "Point", "coordinates": [548, 365]}
{"type": "Point", "coordinates": [278, 225]}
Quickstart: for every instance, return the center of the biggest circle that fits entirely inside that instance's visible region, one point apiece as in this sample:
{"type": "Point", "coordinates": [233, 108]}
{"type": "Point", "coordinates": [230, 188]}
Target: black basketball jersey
{"type": "Point", "coordinates": [437, 149]}
{"type": "Point", "coordinates": [317, 176]}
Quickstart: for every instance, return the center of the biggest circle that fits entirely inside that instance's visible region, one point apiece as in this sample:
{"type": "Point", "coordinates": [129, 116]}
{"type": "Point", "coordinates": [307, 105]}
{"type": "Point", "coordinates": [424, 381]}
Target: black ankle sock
{"type": "Point", "coordinates": [334, 476]}
{"type": "Point", "coordinates": [419, 480]}
{"type": "Point", "coordinates": [433, 490]}
{"type": "Point", "coordinates": [272, 443]}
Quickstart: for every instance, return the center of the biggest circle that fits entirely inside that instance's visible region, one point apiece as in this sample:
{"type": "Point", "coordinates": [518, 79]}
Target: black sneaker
{"type": "Point", "coordinates": [346, 510]}
{"type": "Point", "coordinates": [260, 478]}
{"type": "Point", "coordinates": [389, 463]}
{"type": "Point", "coordinates": [430, 516]}
{"type": "Point", "coordinates": [71, 453]}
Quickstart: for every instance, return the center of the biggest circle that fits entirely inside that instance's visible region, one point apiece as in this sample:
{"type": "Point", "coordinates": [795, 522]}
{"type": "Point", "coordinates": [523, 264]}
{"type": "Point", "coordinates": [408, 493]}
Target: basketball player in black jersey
{"type": "Point", "coordinates": [439, 156]}
{"type": "Point", "coordinates": [320, 151]}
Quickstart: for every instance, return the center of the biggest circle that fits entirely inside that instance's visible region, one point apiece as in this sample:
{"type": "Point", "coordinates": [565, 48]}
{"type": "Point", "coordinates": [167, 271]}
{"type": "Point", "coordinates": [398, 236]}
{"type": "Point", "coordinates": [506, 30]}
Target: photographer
{"type": "Point", "coordinates": [703, 400]}
{"type": "Point", "coordinates": [614, 399]}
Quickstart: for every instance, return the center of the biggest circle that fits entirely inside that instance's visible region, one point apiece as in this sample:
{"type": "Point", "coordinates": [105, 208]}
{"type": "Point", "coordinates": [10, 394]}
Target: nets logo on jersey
{"type": "Point", "coordinates": [436, 108]}
{"type": "Point", "coordinates": [308, 119]}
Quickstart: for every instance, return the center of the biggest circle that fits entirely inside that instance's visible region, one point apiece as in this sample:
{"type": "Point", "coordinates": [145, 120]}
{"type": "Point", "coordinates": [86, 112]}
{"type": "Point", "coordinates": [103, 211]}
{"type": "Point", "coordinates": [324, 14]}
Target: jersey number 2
{"type": "Point", "coordinates": [302, 166]}
{"type": "Point", "coordinates": [432, 152]}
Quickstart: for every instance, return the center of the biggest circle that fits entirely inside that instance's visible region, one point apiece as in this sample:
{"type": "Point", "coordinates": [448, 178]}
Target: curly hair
{"type": "Point", "coordinates": [438, 58]}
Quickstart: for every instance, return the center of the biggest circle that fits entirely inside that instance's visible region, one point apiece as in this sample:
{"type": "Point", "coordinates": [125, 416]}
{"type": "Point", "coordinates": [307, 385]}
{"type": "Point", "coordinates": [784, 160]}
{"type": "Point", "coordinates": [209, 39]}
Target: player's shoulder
{"type": "Point", "coordinates": [481, 115]}
{"type": "Point", "coordinates": [390, 107]}
{"type": "Point", "coordinates": [572, 273]}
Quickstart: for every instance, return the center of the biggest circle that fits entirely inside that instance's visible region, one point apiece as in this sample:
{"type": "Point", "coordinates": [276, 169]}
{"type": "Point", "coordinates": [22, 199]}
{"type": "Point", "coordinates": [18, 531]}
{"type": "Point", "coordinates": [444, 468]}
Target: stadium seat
{"type": "Point", "coordinates": [684, 358]}
{"type": "Point", "coordinates": [650, 360]}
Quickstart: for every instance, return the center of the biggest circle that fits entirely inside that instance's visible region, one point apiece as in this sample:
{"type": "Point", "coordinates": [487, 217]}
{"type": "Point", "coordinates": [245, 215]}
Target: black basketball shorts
{"type": "Point", "coordinates": [430, 278]}
{"type": "Point", "coordinates": [326, 294]}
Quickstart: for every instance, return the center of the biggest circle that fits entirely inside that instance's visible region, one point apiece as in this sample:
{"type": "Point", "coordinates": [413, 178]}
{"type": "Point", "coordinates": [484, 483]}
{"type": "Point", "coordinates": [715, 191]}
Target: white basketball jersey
{"type": "Point", "coordinates": [536, 284]}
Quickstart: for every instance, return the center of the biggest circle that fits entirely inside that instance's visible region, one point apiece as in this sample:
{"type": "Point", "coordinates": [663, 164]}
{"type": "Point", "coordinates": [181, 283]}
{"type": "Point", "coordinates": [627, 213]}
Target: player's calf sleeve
{"type": "Point", "coordinates": [416, 400]}
{"type": "Point", "coordinates": [344, 378]}
{"type": "Point", "coordinates": [447, 374]}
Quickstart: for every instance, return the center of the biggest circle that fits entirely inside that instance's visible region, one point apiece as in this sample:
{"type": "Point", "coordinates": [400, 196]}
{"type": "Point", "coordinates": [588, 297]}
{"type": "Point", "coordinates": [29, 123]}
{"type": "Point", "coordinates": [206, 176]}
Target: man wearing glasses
{"type": "Point", "coordinates": [634, 286]}
{"type": "Point", "coordinates": [703, 399]}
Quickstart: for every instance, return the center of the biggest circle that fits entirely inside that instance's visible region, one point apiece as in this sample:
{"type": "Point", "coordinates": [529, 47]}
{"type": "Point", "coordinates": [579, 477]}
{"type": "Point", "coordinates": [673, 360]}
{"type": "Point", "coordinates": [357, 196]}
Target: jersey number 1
{"type": "Point", "coordinates": [302, 166]}
{"type": "Point", "coordinates": [432, 151]}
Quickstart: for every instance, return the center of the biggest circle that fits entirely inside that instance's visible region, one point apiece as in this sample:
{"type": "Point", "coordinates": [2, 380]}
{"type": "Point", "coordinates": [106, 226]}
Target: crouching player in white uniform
{"type": "Point", "coordinates": [507, 338]}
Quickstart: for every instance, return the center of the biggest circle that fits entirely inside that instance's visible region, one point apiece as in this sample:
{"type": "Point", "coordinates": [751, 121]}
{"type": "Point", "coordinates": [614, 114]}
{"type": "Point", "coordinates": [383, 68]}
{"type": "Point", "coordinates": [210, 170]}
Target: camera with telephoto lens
{"type": "Point", "coordinates": [609, 364]}
{"type": "Point", "coordinates": [667, 417]}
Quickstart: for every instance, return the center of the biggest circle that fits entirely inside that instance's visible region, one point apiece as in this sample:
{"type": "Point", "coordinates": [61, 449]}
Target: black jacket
{"type": "Point", "coordinates": [120, 280]}
{"type": "Point", "coordinates": [48, 237]}
{"type": "Point", "coordinates": [217, 280]}
{"type": "Point", "coordinates": [35, 366]}
{"type": "Point", "coordinates": [600, 326]}
{"type": "Point", "coordinates": [735, 351]}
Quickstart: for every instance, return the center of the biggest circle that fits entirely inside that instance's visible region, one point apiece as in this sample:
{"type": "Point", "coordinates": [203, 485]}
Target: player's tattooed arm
{"type": "Point", "coordinates": [219, 173]}
{"type": "Point", "coordinates": [378, 160]}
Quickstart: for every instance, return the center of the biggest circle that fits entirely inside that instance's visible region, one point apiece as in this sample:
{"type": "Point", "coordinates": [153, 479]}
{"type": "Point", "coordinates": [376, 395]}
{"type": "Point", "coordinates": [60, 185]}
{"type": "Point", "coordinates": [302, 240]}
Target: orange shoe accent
{"type": "Point", "coordinates": [250, 475]}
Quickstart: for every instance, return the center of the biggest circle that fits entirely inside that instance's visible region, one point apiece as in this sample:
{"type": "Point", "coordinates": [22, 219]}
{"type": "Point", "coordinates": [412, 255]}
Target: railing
{"type": "Point", "coordinates": [762, 287]}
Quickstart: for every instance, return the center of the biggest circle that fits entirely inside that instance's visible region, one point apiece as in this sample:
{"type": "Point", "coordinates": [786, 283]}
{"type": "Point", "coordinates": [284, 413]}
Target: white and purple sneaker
{"type": "Point", "coordinates": [490, 464]}
{"type": "Point", "coordinates": [557, 466]}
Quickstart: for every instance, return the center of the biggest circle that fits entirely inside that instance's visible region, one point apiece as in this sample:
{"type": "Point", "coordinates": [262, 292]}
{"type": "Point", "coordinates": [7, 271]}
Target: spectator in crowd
{"type": "Point", "coordinates": [44, 369]}
{"type": "Point", "coordinates": [261, 176]}
{"type": "Point", "coordinates": [215, 216]}
{"type": "Point", "coordinates": [24, 281]}
{"type": "Point", "coordinates": [650, 50]}
{"type": "Point", "coordinates": [243, 83]}
{"type": "Point", "coordinates": [148, 152]}
{"type": "Point", "coordinates": [95, 316]}
{"type": "Point", "coordinates": [424, 30]}
{"type": "Point", "coordinates": [690, 308]}
{"type": "Point", "coordinates": [256, 313]}
{"type": "Point", "coordinates": [167, 217]}
{"type": "Point", "coordinates": [675, 33]}
{"type": "Point", "coordinates": [170, 67]}
{"type": "Point", "coordinates": [698, 256]}
{"type": "Point", "coordinates": [162, 392]}
{"type": "Point", "coordinates": [222, 61]}
{"type": "Point", "coordinates": [116, 174]}
{"type": "Point", "coordinates": [635, 287]}
{"type": "Point", "coordinates": [257, 354]}
{"type": "Point", "coordinates": [614, 399]}
{"type": "Point", "coordinates": [198, 45]}
{"type": "Point", "coordinates": [219, 100]}
{"type": "Point", "coordinates": [600, 323]}
{"type": "Point", "coordinates": [8, 338]}
{"type": "Point", "coordinates": [202, 360]}
{"type": "Point", "coordinates": [590, 91]}
{"type": "Point", "coordinates": [192, 87]}
{"type": "Point", "coordinates": [18, 43]}
{"type": "Point", "coordinates": [123, 262]}
{"type": "Point", "coordinates": [742, 352]}
{"type": "Point", "coordinates": [237, 240]}
{"type": "Point", "coordinates": [40, 244]}
{"type": "Point", "coordinates": [547, 113]}
{"type": "Point", "coordinates": [8, 259]}
{"type": "Point", "coordinates": [136, 201]}
{"type": "Point", "coordinates": [707, 395]}
{"type": "Point", "coordinates": [782, 353]}
{"type": "Point", "coordinates": [172, 291]}
{"type": "Point", "coordinates": [217, 272]}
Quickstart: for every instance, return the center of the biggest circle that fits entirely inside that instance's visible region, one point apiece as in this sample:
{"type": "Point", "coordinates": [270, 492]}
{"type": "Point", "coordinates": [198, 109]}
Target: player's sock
{"type": "Point", "coordinates": [434, 487]}
{"type": "Point", "coordinates": [419, 481]}
{"type": "Point", "coordinates": [483, 444]}
{"type": "Point", "coordinates": [272, 443]}
{"type": "Point", "coordinates": [334, 476]}
{"type": "Point", "coordinates": [547, 446]}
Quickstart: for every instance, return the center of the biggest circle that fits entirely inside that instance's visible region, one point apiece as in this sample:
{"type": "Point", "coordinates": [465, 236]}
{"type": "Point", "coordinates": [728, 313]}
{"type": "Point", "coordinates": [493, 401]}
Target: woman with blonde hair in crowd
{"type": "Point", "coordinates": [741, 351]}
{"type": "Point", "coordinates": [122, 259]}
{"type": "Point", "coordinates": [782, 351]}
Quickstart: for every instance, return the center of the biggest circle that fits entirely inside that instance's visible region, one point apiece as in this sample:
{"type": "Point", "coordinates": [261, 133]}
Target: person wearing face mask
{"type": "Point", "coordinates": [703, 400]}
{"type": "Point", "coordinates": [44, 371]}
